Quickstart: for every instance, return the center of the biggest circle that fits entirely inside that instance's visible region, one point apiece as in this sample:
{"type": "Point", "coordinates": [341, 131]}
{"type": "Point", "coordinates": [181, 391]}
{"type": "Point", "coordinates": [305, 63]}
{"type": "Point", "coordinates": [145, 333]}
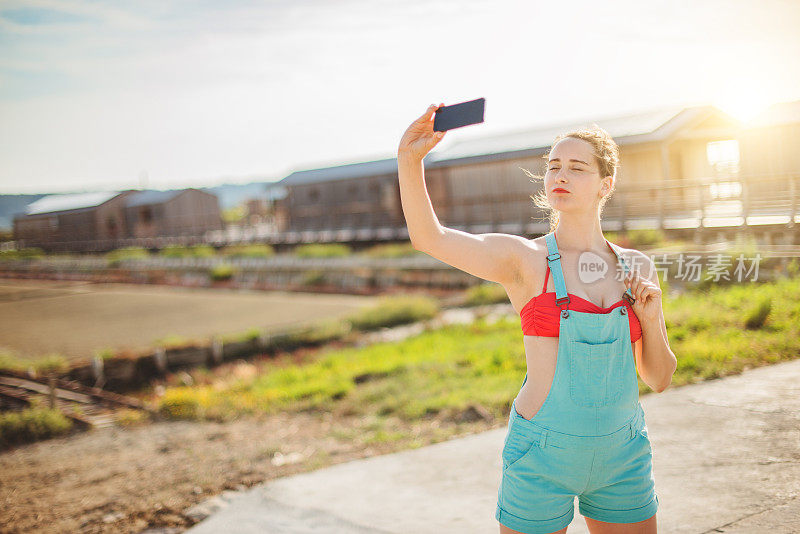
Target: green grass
{"type": "Point", "coordinates": [486, 293]}
{"type": "Point", "coordinates": [449, 368]}
{"type": "Point", "coordinates": [322, 250]}
{"type": "Point", "coordinates": [49, 363]}
{"type": "Point", "coordinates": [394, 310]}
{"type": "Point", "coordinates": [248, 251]}
{"type": "Point", "coordinates": [12, 362]}
{"type": "Point", "coordinates": [127, 253]}
{"type": "Point", "coordinates": [31, 424]}
{"type": "Point", "coordinates": [22, 254]}
{"type": "Point", "coordinates": [313, 277]}
{"type": "Point", "coordinates": [247, 335]}
{"type": "Point", "coordinates": [321, 331]}
{"type": "Point", "coordinates": [420, 375]}
{"type": "Point", "coordinates": [724, 329]}
{"type": "Point", "coordinates": [104, 353]}
{"type": "Point", "coordinates": [194, 251]}
{"type": "Point", "coordinates": [174, 341]}
{"type": "Point", "coordinates": [222, 271]}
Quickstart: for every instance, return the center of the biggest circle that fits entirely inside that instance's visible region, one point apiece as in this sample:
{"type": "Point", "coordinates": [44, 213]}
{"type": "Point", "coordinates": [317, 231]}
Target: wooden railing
{"type": "Point", "coordinates": [696, 203]}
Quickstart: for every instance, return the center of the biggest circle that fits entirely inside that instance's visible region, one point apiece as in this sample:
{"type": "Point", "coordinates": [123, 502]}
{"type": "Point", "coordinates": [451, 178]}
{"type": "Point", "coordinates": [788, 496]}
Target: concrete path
{"type": "Point", "coordinates": [726, 458]}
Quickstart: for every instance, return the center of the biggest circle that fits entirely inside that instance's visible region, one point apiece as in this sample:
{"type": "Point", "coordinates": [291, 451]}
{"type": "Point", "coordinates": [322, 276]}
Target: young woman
{"type": "Point", "coordinates": [577, 428]}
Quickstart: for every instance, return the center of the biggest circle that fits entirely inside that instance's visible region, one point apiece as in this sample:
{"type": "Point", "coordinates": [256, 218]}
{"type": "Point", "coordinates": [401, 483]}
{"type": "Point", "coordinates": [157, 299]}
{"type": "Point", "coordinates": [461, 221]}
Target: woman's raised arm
{"type": "Point", "coordinates": [493, 256]}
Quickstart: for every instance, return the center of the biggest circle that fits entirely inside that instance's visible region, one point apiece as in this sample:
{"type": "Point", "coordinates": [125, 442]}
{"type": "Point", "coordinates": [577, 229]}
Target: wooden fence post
{"type": "Point", "coordinates": [216, 350]}
{"type": "Point", "coordinates": [264, 340]}
{"type": "Point", "coordinates": [51, 382]}
{"type": "Point", "coordinates": [97, 372]}
{"type": "Point", "coordinates": [160, 357]}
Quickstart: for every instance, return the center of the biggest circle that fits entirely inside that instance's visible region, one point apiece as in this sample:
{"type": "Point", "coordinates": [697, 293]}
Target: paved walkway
{"type": "Point", "coordinates": [726, 458]}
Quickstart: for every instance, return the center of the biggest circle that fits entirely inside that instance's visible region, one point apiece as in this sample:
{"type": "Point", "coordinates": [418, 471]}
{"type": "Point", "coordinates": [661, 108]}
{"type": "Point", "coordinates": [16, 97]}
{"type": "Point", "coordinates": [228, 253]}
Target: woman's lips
{"type": "Point", "coordinates": [560, 190]}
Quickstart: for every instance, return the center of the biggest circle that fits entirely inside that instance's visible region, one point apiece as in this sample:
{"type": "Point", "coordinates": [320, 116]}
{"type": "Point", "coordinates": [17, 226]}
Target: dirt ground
{"type": "Point", "coordinates": [130, 478]}
{"type": "Point", "coordinates": [77, 318]}
{"type": "Point", "coordinates": [126, 479]}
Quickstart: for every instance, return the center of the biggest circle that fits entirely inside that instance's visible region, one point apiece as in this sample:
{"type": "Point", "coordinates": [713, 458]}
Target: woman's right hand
{"type": "Point", "coordinates": [419, 138]}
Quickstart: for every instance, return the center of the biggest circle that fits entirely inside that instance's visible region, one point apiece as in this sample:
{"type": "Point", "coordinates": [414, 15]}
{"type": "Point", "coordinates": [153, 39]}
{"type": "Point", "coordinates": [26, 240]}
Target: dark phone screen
{"type": "Point", "coordinates": [458, 115]}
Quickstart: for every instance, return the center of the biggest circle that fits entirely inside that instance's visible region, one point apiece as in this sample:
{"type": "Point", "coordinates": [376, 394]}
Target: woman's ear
{"type": "Point", "coordinates": [608, 184]}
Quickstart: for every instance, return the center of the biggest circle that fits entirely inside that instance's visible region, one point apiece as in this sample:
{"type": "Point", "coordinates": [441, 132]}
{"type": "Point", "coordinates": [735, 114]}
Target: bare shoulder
{"type": "Point", "coordinates": [516, 244]}
{"type": "Point", "coordinates": [533, 265]}
{"type": "Point", "coordinates": [525, 253]}
{"type": "Point", "coordinates": [537, 246]}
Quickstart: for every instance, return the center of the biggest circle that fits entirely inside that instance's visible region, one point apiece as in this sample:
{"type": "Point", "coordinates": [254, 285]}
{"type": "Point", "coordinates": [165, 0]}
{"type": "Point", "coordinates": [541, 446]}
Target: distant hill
{"type": "Point", "coordinates": [11, 205]}
{"type": "Point", "coordinates": [229, 195]}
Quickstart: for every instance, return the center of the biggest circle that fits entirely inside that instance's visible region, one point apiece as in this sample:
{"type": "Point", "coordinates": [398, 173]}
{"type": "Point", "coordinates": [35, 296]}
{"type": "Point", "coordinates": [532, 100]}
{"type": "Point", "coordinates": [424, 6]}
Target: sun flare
{"type": "Point", "coordinates": [743, 104]}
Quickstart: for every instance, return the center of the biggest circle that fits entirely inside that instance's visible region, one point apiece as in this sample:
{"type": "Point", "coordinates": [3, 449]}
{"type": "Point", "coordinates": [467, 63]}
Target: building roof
{"type": "Point", "coordinates": [150, 196]}
{"type": "Point", "coordinates": [340, 172]}
{"type": "Point", "coordinates": [645, 126]}
{"type": "Point", "coordinates": [71, 201]}
{"type": "Point", "coordinates": [776, 114]}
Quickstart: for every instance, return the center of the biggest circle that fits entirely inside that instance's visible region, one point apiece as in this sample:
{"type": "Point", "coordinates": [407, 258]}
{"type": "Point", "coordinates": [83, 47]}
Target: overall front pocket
{"type": "Point", "coordinates": [516, 446]}
{"type": "Point", "coordinates": [595, 372]}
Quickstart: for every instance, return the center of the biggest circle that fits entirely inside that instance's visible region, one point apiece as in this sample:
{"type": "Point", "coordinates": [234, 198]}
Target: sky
{"type": "Point", "coordinates": [100, 95]}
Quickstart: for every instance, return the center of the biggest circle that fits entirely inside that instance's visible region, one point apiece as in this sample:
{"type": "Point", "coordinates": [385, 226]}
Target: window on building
{"type": "Point", "coordinates": [723, 157]}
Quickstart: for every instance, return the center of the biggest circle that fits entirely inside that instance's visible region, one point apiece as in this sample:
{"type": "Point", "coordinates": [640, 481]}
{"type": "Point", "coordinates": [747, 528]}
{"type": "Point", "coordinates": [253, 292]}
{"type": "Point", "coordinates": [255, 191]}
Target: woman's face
{"type": "Point", "coordinates": [573, 168]}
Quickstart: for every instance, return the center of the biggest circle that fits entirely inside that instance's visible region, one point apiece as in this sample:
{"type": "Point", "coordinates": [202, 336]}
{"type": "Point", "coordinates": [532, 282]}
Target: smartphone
{"type": "Point", "coordinates": [458, 115]}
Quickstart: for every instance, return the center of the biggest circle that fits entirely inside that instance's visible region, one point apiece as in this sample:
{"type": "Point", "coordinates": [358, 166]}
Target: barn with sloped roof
{"type": "Point", "coordinates": [73, 222]}
{"type": "Point", "coordinates": [101, 221]}
{"type": "Point", "coordinates": [680, 168]}
{"type": "Point", "coordinates": [186, 212]}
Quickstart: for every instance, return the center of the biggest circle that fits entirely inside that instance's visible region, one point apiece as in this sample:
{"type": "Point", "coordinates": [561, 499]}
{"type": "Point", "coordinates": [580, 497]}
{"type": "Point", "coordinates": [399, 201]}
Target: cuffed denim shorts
{"type": "Point", "coordinates": [543, 471]}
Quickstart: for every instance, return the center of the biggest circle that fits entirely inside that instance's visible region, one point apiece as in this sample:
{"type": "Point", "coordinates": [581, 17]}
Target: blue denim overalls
{"type": "Point", "coordinates": [589, 437]}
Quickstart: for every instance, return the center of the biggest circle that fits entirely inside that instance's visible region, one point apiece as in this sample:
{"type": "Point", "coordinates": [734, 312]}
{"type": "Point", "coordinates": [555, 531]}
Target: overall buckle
{"type": "Point", "coordinates": [554, 256]}
{"type": "Point", "coordinates": [564, 311]}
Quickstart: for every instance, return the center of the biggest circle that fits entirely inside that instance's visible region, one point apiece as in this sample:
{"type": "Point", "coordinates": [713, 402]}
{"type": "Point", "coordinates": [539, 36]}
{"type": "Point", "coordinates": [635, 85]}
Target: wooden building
{"type": "Point", "coordinates": [678, 167]}
{"type": "Point", "coordinates": [106, 220]}
{"type": "Point", "coordinates": [361, 195]}
{"type": "Point", "coordinates": [186, 212]}
{"type": "Point", "coordinates": [70, 222]}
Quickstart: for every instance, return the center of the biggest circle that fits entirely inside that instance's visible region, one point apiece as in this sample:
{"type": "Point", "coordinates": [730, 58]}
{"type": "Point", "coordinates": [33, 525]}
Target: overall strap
{"type": "Point", "coordinates": [628, 295]}
{"type": "Point", "coordinates": [554, 259]}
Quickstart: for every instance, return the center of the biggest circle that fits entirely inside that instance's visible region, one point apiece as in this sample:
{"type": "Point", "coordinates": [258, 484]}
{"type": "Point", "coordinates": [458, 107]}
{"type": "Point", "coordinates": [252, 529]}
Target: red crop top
{"type": "Point", "coordinates": [541, 316]}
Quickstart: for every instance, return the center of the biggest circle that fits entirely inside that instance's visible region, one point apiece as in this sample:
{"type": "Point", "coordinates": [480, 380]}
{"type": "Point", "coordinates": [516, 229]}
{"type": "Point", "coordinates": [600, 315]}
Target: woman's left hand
{"type": "Point", "coordinates": [647, 294]}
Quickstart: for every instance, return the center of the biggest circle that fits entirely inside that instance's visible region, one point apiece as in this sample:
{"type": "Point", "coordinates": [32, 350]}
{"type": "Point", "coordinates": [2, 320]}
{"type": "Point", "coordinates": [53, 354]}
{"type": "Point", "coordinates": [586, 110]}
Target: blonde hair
{"type": "Point", "coordinates": [606, 153]}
